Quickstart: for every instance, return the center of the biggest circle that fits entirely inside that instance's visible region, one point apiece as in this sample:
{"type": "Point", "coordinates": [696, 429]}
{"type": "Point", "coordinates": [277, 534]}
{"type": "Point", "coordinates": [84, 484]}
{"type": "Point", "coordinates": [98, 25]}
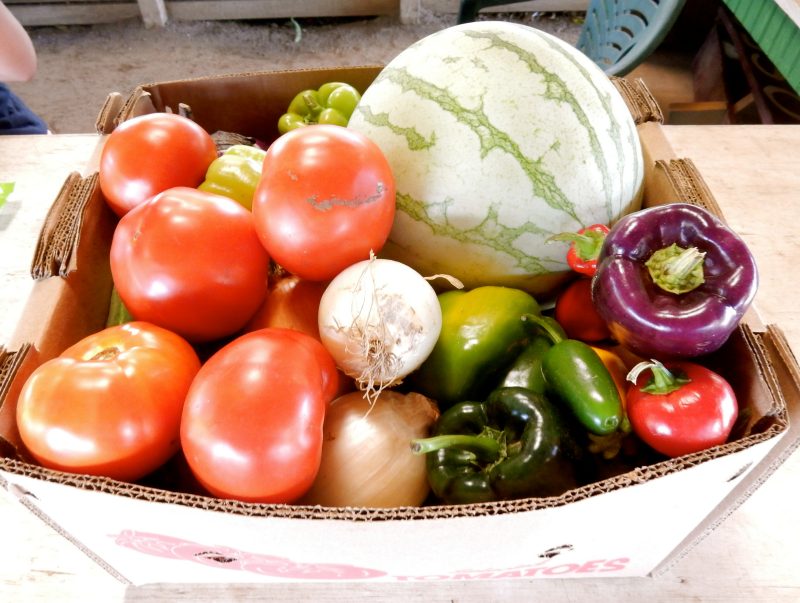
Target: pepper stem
{"type": "Point", "coordinates": [663, 380]}
{"type": "Point", "coordinates": [486, 447]}
{"type": "Point", "coordinates": [676, 269]}
{"type": "Point", "coordinates": [588, 243]}
{"type": "Point", "coordinates": [550, 327]}
{"type": "Point", "coordinates": [314, 108]}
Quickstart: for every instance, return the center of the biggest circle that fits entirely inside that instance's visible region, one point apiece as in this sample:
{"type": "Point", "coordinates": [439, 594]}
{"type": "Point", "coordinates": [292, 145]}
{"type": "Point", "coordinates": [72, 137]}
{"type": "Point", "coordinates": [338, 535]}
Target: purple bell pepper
{"type": "Point", "coordinates": [673, 281]}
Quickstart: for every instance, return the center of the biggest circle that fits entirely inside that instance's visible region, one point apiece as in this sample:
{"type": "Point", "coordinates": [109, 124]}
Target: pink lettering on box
{"type": "Point", "coordinates": [223, 557]}
{"type": "Point", "coordinates": [544, 568]}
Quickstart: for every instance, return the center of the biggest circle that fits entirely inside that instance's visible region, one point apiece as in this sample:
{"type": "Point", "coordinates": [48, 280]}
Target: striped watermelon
{"type": "Point", "coordinates": [499, 136]}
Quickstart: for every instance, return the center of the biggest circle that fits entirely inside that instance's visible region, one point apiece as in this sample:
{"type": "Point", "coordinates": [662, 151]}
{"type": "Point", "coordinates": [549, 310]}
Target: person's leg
{"type": "Point", "coordinates": [16, 117]}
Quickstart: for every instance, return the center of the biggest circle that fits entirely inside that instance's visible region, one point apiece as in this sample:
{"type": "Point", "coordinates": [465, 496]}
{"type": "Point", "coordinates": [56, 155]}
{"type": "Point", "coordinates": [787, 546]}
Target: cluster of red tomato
{"type": "Point", "coordinates": [193, 268]}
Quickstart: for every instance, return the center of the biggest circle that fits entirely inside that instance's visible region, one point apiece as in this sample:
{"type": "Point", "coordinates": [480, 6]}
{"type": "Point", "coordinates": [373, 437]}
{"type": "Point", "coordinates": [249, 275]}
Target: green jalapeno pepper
{"type": "Point", "coordinates": [235, 174]}
{"type": "Point", "coordinates": [526, 370]}
{"type": "Point", "coordinates": [333, 103]}
{"type": "Point", "coordinates": [516, 444]}
{"type": "Point", "coordinates": [482, 332]}
{"type": "Point", "coordinates": [576, 375]}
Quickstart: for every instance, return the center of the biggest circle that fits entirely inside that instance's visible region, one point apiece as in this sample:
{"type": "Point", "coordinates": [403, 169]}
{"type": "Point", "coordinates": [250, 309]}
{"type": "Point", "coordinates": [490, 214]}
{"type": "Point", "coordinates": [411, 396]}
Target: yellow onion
{"type": "Point", "coordinates": [366, 453]}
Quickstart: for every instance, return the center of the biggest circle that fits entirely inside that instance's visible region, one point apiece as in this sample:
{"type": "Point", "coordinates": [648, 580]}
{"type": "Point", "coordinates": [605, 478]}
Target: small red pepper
{"type": "Point", "coordinates": [575, 312]}
{"type": "Point", "coordinates": [681, 408]}
{"type": "Point", "coordinates": [584, 247]}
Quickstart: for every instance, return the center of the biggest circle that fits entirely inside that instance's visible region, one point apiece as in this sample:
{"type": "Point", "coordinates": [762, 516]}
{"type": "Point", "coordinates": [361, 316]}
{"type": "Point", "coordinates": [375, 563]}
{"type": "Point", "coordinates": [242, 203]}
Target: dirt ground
{"type": "Point", "coordinates": [80, 65]}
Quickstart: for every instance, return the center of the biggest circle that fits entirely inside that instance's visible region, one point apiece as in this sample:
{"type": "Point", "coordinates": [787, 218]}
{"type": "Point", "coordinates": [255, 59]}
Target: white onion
{"type": "Point", "coordinates": [379, 319]}
{"type": "Point", "coordinates": [367, 459]}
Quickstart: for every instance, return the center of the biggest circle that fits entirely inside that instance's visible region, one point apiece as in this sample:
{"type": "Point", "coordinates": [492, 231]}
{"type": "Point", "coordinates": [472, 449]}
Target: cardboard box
{"type": "Point", "coordinates": [145, 534]}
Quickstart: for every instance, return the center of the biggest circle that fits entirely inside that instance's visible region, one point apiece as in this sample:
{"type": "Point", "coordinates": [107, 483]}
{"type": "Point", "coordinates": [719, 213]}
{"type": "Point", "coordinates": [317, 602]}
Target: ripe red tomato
{"type": "Point", "coordinates": [698, 413]}
{"type": "Point", "coordinates": [252, 422]}
{"type": "Point", "coordinates": [293, 303]}
{"type": "Point", "coordinates": [576, 313]}
{"type": "Point", "coordinates": [191, 262]}
{"type": "Point", "coordinates": [326, 198]}
{"type": "Point", "coordinates": [151, 153]}
{"type": "Point", "coordinates": [111, 404]}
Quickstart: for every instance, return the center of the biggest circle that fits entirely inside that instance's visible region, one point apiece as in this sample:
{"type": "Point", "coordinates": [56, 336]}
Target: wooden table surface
{"type": "Point", "coordinates": [752, 556]}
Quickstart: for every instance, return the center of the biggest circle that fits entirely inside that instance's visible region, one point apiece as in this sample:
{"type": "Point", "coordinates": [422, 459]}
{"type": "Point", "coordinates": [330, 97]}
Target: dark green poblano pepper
{"type": "Point", "coordinates": [516, 444]}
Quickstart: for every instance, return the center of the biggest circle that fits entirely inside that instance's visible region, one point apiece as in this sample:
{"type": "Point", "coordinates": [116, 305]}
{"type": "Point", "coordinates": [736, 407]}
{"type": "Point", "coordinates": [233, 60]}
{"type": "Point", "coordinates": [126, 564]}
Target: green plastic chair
{"type": "Point", "coordinates": [617, 35]}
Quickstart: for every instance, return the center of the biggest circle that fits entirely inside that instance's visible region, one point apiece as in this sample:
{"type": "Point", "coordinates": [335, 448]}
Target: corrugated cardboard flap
{"type": "Point", "coordinates": [106, 119]}
{"type": "Point", "coordinates": [72, 288]}
{"type": "Point", "coordinates": [786, 370]}
{"type": "Point", "coordinates": [56, 249]}
{"type": "Point", "coordinates": [687, 181]}
{"type": "Point", "coordinates": [11, 367]}
{"type": "Point", "coordinates": [641, 102]}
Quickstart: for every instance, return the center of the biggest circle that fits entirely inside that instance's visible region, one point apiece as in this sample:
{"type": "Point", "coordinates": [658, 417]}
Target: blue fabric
{"type": "Point", "coordinates": [16, 117]}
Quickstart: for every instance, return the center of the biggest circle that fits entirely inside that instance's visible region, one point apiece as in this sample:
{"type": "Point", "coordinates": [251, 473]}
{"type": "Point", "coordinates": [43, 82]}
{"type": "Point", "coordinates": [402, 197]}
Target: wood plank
{"type": "Point", "coordinates": [700, 112]}
{"type": "Point", "coordinates": [154, 12]}
{"type": "Point", "coordinates": [86, 2]}
{"type": "Point", "coordinates": [189, 10]}
{"type": "Point", "coordinates": [73, 14]}
{"type": "Point", "coordinates": [410, 11]}
{"type": "Point", "coordinates": [451, 6]}
{"type": "Point", "coordinates": [158, 12]}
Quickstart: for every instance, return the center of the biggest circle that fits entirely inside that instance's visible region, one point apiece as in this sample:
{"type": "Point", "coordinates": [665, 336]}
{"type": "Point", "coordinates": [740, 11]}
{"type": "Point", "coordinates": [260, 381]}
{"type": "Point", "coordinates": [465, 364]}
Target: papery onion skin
{"type": "Point", "coordinates": [380, 320]}
{"type": "Point", "coordinates": [367, 459]}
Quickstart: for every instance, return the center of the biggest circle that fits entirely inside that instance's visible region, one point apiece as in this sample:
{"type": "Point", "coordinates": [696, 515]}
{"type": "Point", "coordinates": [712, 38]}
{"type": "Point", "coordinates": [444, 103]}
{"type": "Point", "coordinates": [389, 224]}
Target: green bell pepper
{"type": "Point", "coordinates": [576, 375]}
{"type": "Point", "coordinates": [235, 174]}
{"type": "Point", "coordinates": [333, 103]}
{"type": "Point", "coordinates": [516, 444]}
{"type": "Point", "coordinates": [482, 332]}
